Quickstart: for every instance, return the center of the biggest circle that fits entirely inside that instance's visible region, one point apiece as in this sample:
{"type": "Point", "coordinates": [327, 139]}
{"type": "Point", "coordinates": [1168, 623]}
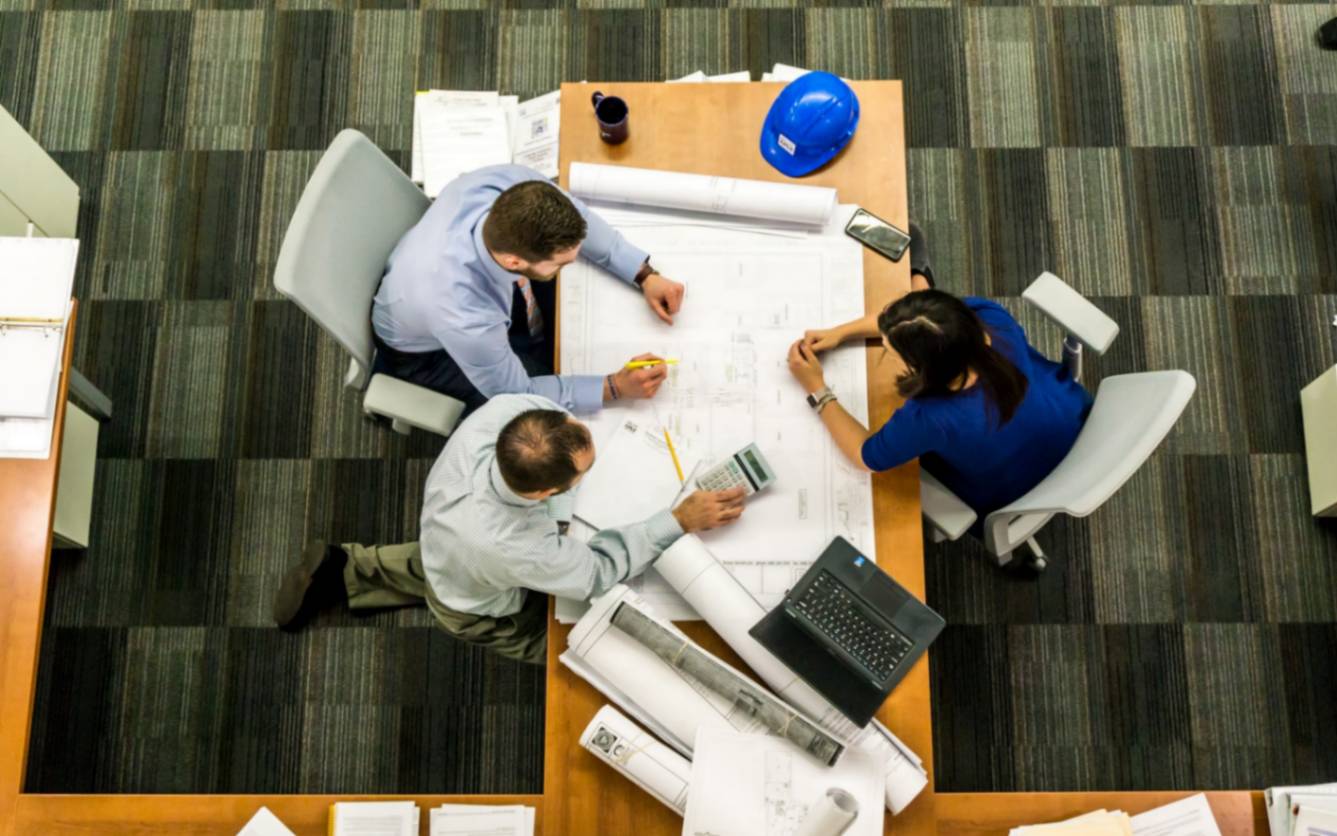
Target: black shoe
{"type": "Point", "coordinates": [316, 582]}
{"type": "Point", "coordinates": [1327, 34]}
{"type": "Point", "coordinates": [919, 255]}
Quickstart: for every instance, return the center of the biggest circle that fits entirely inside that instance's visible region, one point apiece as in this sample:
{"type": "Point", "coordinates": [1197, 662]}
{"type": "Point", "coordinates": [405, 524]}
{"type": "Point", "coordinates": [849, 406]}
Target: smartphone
{"type": "Point", "coordinates": [871, 231]}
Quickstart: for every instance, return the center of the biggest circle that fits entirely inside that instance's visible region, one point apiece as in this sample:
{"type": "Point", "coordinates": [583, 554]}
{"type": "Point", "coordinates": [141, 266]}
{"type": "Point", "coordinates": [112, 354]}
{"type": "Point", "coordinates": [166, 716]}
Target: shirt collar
{"type": "Point", "coordinates": [503, 491]}
{"type": "Point", "coordinates": [490, 265]}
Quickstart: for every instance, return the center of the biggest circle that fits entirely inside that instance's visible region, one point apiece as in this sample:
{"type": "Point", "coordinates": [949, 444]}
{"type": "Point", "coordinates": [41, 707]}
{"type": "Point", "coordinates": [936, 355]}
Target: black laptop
{"type": "Point", "coordinates": [849, 630]}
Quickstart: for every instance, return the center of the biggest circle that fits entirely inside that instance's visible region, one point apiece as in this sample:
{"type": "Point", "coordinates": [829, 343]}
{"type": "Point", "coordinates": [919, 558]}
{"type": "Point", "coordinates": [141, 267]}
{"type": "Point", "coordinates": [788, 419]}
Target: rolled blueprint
{"type": "Point", "coordinates": [723, 602]}
{"type": "Point", "coordinates": [684, 655]}
{"type": "Point", "coordinates": [832, 815]}
{"type": "Point", "coordinates": [632, 751]}
{"type": "Point", "coordinates": [806, 205]}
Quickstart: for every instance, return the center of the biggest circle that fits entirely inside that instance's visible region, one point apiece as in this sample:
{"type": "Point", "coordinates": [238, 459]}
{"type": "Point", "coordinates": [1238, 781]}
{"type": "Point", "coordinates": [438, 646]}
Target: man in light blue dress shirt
{"type": "Point", "coordinates": [466, 303]}
{"type": "Point", "coordinates": [492, 539]}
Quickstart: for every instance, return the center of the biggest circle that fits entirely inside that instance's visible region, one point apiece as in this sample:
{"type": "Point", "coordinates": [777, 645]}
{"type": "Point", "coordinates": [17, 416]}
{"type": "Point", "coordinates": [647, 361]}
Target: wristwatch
{"type": "Point", "coordinates": [821, 398]}
{"type": "Point", "coordinates": [644, 273]}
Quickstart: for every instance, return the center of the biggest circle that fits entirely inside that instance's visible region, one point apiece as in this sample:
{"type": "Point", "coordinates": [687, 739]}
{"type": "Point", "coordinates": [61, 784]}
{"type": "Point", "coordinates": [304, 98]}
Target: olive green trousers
{"type": "Point", "coordinates": [378, 577]}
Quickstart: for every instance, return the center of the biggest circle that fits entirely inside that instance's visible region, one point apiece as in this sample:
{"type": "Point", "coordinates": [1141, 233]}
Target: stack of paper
{"type": "Point", "coordinates": [482, 820]}
{"type": "Point", "coordinates": [457, 131]}
{"type": "Point", "coordinates": [36, 280]}
{"type": "Point", "coordinates": [1302, 811]}
{"type": "Point", "coordinates": [700, 76]}
{"type": "Point", "coordinates": [1190, 816]}
{"type": "Point", "coordinates": [787, 72]}
{"type": "Point", "coordinates": [374, 818]}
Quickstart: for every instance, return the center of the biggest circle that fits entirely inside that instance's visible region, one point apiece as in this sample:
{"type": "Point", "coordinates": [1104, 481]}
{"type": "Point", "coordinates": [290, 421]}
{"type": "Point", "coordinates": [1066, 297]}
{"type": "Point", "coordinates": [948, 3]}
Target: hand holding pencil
{"type": "Point", "coordinates": [641, 377]}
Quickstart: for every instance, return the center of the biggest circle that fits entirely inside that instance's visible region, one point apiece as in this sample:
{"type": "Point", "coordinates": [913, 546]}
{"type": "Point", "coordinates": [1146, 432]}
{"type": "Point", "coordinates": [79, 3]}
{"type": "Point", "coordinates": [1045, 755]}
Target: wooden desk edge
{"type": "Point", "coordinates": [25, 572]}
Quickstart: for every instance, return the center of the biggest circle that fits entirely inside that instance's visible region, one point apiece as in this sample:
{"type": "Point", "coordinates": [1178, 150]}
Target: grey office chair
{"type": "Point", "coordinates": [1131, 415]}
{"type": "Point", "coordinates": [355, 208]}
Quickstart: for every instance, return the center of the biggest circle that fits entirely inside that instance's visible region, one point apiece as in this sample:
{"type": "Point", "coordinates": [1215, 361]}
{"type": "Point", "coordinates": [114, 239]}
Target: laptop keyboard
{"type": "Point", "coordinates": [834, 610]}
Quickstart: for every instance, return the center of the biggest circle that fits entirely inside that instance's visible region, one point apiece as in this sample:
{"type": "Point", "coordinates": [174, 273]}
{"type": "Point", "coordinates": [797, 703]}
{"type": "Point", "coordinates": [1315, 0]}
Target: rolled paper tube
{"type": "Point", "coordinates": [745, 696]}
{"type": "Point", "coordinates": [832, 815]}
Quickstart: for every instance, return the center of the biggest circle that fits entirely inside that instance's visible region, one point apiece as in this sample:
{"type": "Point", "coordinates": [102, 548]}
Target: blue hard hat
{"type": "Point", "coordinates": [809, 122]}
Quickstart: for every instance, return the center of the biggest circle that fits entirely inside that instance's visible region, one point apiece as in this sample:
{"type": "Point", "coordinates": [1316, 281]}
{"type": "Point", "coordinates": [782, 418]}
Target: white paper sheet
{"type": "Point", "coordinates": [1094, 823]}
{"type": "Point", "coordinates": [427, 99]}
{"type": "Point", "coordinates": [694, 573]}
{"type": "Point", "coordinates": [29, 364]}
{"type": "Point", "coordinates": [374, 818]}
{"type": "Point", "coordinates": [786, 202]}
{"type": "Point", "coordinates": [1190, 816]}
{"type": "Point", "coordinates": [748, 297]}
{"type": "Point", "coordinates": [747, 784]}
{"type": "Point", "coordinates": [617, 741]}
{"type": "Point", "coordinates": [37, 278]}
{"type": "Point", "coordinates": [457, 140]}
{"type": "Point", "coordinates": [729, 78]}
{"type": "Point", "coordinates": [481, 820]}
{"type": "Point", "coordinates": [690, 78]}
{"type": "Point", "coordinates": [265, 823]}
{"type": "Point", "coordinates": [633, 477]}
{"type": "Point", "coordinates": [1315, 819]}
{"type": "Point", "coordinates": [535, 133]}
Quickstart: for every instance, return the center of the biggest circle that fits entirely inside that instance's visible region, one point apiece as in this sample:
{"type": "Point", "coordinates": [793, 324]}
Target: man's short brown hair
{"type": "Point", "coordinates": [533, 220]}
{"type": "Point", "coordinates": [536, 450]}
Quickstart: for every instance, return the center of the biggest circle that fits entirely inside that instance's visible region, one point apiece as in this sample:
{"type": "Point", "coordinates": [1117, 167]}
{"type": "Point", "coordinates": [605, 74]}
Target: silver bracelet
{"type": "Point", "coordinates": [828, 398]}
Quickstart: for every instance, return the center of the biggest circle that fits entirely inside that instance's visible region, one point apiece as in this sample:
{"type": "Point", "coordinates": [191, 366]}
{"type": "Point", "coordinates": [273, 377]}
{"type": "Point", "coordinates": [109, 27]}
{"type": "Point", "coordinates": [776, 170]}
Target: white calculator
{"type": "Point", "coordinates": [747, 468]}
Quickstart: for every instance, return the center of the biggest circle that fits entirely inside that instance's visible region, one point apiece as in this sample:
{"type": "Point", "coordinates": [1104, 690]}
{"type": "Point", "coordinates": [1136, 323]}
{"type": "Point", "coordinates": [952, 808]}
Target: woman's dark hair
{"type": "Point", "coordinates": [941, 340]}
{"type": "Point", "coordinates": [536, 450]}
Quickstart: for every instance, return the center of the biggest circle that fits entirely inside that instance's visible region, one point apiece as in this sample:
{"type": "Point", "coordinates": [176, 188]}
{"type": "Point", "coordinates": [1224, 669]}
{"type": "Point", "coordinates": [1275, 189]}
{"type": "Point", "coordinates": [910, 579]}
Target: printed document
{"type": "Point", "coordinates": [374, 818]}
{"type": "Point", "coordinates": [633, 477]}
{"type": "Point", "coordinates": [746, 784]}
{"type": "Point", "coordinates": [1191, 816]}
{"type": "Point", "coordinates": [481, 820]}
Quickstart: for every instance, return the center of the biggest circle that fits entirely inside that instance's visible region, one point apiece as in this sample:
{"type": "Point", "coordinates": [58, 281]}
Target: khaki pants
{"type": "Point", "coordinates": [391, 576]}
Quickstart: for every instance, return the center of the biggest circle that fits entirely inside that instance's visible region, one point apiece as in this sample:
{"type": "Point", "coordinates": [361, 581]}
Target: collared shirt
{"type": "Point", "coordinates": [483, 544]}
{"type": "Point", "coordinates": [443, 289]}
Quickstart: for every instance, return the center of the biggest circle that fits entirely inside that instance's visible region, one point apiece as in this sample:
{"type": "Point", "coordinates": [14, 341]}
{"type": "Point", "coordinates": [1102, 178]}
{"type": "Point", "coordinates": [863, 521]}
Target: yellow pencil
{"type": "Point", "coordinates": [677, 465]}
{"type": "Point", "coordinates": [640, 364]}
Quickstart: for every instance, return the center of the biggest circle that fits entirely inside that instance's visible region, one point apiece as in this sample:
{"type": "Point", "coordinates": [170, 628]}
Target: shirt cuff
{"type": "Point", "coordinates": [663, 529]}
{"type": "Point", "coordinates": [626, 261]}
{"type": "Point", "coordinates": [587, 392]}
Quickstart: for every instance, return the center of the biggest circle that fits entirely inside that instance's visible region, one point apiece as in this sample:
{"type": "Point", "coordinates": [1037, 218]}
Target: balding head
{"type": "Point", "coordinates": [543, 451]}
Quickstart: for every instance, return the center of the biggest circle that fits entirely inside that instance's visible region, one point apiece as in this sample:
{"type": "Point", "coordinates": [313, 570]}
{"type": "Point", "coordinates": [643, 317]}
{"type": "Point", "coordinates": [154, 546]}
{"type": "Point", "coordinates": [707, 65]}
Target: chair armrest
{"type": "Point", "coordinates": [414, 405]}
{"type": "Point", "coordinates": [1073, 313]}
{"type": "Point", "coordinates": [944, 510]}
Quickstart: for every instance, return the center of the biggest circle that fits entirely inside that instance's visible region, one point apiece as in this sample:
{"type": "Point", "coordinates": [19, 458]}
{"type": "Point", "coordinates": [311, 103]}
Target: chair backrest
{"type": "Point", "coordinates": [1131, 415]}
{"type": "Point", "coordinates": [355, 208]}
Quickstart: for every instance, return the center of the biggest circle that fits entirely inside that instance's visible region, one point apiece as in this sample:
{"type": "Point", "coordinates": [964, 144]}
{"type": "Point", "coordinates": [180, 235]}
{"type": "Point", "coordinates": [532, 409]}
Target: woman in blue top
{"type": "Point", "coordinates": [988, 415]}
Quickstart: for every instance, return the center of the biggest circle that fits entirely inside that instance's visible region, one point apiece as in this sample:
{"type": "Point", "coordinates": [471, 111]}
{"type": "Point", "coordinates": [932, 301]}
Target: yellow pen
{"type": "Point", "coordinates": [641, 364]}
{"type": "Point", "coordinates": [677, 465]}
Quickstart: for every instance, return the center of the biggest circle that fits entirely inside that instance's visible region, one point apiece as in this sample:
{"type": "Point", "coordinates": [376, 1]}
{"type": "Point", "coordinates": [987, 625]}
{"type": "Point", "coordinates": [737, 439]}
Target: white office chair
{"type": "Point", "coordinates": [355, 208]}
{"type": "Point", "coordinates": [1131, 415]}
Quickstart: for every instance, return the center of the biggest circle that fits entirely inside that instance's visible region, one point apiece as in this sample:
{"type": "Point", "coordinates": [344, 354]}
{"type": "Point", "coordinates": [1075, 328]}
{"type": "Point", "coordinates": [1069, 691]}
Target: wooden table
{"type": "Point", "coordinates": [709, 128]}
{"type": "Point", "coordinates": [667, 133]}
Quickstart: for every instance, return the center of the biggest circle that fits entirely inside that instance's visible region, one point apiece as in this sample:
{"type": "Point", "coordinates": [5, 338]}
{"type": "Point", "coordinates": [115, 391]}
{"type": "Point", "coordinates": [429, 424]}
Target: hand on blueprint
{"type": "Point", "coordinates": [704, 510]}
{"type": "Point", "coordinates": [822, 339]}
{"type": "Point", "coordinates": [805, 367]}
{"type": "Point", "coordinates": [643, 382]}
{"type": "Point", "coordinates": [664, 296]}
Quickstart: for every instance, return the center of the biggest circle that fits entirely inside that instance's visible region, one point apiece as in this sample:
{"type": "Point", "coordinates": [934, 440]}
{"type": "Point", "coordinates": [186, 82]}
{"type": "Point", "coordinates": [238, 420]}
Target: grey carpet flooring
{"type": "Point", "coordinates": [1173, 160]}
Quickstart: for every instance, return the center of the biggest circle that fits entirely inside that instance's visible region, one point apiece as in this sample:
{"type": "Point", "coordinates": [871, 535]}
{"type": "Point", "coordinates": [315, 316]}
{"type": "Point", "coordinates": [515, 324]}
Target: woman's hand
{"type": "Point", "coordinates": [822, 339]}
{"type": "Point", "coordinates": [805, 367]}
